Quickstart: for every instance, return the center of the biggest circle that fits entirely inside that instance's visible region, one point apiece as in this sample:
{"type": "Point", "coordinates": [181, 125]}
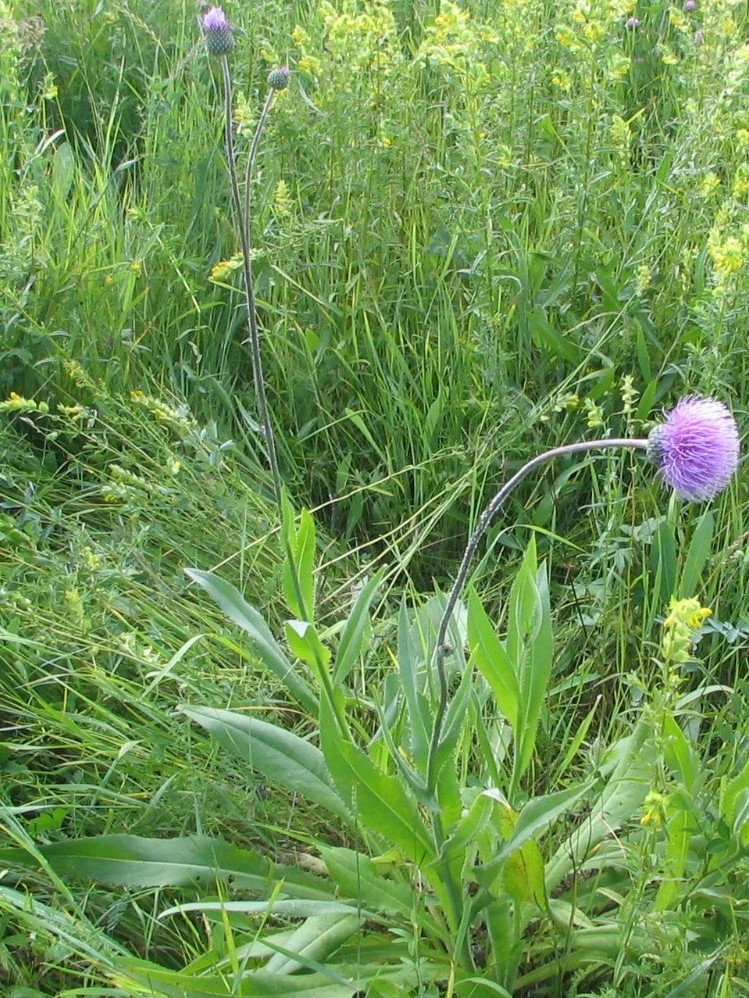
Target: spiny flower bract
{"type": "Point", "coordinates": [696, 448]}
{"type": "Point", "coordinates": [278, 79]}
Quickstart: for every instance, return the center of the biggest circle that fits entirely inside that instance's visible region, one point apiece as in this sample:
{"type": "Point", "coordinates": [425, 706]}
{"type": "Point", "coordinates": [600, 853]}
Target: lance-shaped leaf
{"type": "Point", "coordinates": [283, 757]}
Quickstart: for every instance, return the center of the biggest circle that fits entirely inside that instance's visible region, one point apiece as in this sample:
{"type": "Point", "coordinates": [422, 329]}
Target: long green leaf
{"type": "Point", "coordinates": [529, 642]}
{"type": "Point", "coordinates": [313, 942]}
{"type": "Point", "coordinates": [344, 983]}
{"type": "Point", "coordinates": [489, 656]}
{"type": "Point", "coordinates": [379, 800]}
{"type": "Point", "coordinates": [299, 567]}
{"type": "Point", "coordinates": [533, 819]}
{"type": "Point", "coordinates": [131, 861]}
{"type": "Point", "coordinates": [238, 610]}
{"type": "Point", "coordinates": [280, 755]}
{"type": "Point", "coordinates": [258, 984]}
{"type": "Point", "coordinates": [352, 636]}
{"type": "Point", "coordinates": [697, 555]}
{"type": "Point", "coordinates": [358, 878]}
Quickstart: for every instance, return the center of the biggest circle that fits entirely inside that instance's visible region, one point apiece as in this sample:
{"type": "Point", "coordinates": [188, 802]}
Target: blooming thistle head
{"type": "Point", "coordinates": [216, 31]}
{"type": "Point", "coordinates": [278, 79]}
{"type": "Point", "coordinates": [696, 448]}
{"type": "Point", "coordinates": [632, 23]}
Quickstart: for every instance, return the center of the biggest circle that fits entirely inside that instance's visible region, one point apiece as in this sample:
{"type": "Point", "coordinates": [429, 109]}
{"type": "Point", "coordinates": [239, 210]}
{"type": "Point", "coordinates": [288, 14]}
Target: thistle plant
{"type": "Point", "coordinates": [220, 42]}
{"type": "Point", "coordinates": [696, 451]}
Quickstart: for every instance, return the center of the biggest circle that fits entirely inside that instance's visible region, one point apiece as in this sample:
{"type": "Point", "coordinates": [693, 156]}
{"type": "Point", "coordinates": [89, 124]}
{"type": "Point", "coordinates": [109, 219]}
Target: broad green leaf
{"type": "Point", "coordinates": [664, 561]}
{"type": "Point", "coordinates": [354, 630]}
{"type": "Point", "coordinates": [338, 981]}
{"type": "Point", "coordinates": [523, 876]}
{"type": "Point", "coordinates": [678, 837]}
{"type": "Point", "coordinates": [490, 658]}
{"type": "Point", "coordinates": [458, 848]}
{"type": "Point", "coordinates": [256, 984]}
{"type": "Point", "coordinates": [533, 819]}
{"type": "Point", "coordinates": [358, 878]}
{"type": "Point", "coordinates": [741, 817]}
{"type": "Point", "coordinates": [378, 800]}
{"type": "Point", "coordinates": [247, 617]}
{"type": "Point", "coordinates": [479, 987]}
{"type": "Point", "coordinates": [131, 861]}
{"type": "Point", "coordinates": [314, 941]}
{"type": "Point", "coordinates": [733, 802]}
{"type": "Point", "coordinates": [306, 645]}
{"type": "Point", "coordinates": [618, 802]}
{"type": "Point", "coordinates": [280, 755]}
{"type": "Point", "coordinates": [697, 555]}
{"type": "Point", "coordinates": [678, 753]}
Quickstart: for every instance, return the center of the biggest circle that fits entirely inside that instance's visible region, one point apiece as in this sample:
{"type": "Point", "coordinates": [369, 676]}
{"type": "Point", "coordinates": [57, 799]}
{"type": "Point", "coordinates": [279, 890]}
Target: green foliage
{"type": "Point", "coordinates": [477, 229]}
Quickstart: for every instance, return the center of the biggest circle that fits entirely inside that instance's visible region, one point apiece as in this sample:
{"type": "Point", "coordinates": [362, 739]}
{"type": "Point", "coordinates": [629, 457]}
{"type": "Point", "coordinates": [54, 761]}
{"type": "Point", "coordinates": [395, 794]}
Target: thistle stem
{"type": "Point", "coordinates": [243, 224]}
{"type": "Point", "coordinates": [483, 525]}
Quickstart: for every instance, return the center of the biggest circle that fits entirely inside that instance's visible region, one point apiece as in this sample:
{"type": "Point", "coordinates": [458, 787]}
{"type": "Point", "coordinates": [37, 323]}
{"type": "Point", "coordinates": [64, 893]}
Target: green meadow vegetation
{"type": "Point", "coordinates": [236, 759]}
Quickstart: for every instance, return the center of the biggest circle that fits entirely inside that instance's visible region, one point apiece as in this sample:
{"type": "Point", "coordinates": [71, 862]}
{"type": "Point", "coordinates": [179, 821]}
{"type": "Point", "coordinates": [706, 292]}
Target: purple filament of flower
{"type": "Point", "coordinates": [696, 448]}
{"type": "Point", "coordinates": [215, 20]}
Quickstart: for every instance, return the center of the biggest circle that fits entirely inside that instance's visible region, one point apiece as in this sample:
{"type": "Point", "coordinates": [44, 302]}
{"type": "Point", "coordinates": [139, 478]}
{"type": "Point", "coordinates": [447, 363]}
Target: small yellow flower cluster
{"type": "Point", "coordinates": [178, 418]}
{"type": "Point", "coordinates": [283, 206]}
{"type": "Point", "coordinates": [594, 414]}
{"type": "Point", "coordinates": [225, 268]}
{"type": "Point", "coordinates": [307, 62]}
{"type": "Point", "coordinates": [685, 617]}
{"type": "Point", "coordinates": [709, 185]}
{"type": "Point", "coordinates": [91, 559]}
{"type": "Point", "coordinates": [727, 254]}
{"type": "Point", "coordinates": [629, 394]}
{"type": "Point", "coordinates": [361, 36]}
{"type": "Point", "coordinates": [643, 278]}
{"type": "Point", "coordinates": [17, 403]}
{"type": "Point", "coordinates": [76, 374]}
{"type": "Point", "coordinates": [618, 66]}
{"type": "Point", "coordinates": [621, 137]}
{"type": "Point", "coordinates": [452, 41]}
{"type": "Point", "coordinates": [741, 182]}
{"type": "Point", "coordinates": [654, 809]}
{"type": "Point", "coordinates": [244, 114]}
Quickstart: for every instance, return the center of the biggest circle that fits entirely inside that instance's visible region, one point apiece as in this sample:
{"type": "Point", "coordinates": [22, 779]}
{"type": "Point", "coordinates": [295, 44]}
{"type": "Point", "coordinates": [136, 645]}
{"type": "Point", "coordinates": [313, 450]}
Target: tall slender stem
{"type": "Point", "coordinates": [484, 522]}
{"type": "Point", "coordinates": [243, 223]}
{"type": "Point", "coordinates": [250, 168]}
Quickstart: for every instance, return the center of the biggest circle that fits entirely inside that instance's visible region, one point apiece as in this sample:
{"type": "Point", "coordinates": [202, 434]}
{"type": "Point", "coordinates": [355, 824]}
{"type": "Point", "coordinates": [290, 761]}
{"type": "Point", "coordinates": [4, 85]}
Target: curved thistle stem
{"type": "Point", "coordinates": [484, 522]}
{"type": "Point", "coordinates": [243, 223]}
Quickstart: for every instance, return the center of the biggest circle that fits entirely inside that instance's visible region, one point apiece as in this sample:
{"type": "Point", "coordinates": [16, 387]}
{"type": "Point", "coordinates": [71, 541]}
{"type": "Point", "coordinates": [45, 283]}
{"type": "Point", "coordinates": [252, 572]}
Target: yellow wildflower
{"type": "Point", "coordinates": [653, 810]}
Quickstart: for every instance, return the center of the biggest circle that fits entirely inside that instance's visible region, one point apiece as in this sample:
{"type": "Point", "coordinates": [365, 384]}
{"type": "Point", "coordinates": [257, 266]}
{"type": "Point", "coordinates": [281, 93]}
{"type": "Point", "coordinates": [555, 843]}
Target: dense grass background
{"type": "Point", "coordinates": [477, 235]}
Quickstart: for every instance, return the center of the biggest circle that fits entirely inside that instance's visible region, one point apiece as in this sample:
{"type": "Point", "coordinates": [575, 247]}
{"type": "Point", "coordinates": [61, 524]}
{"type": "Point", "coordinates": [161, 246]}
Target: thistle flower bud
{"type": "Point", "coordinates": [278, 79]}
{"type": "Point", "coordinates": [217, 32]}
{"type": "Point", "coordinates": [696, 448]}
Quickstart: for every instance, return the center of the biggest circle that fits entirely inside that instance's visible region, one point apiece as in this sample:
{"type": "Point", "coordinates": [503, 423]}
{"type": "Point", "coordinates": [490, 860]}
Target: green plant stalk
{"type": "Point", "coordinates": [485, 520]}
{"type": "Point", "coordinates": [243, 223]}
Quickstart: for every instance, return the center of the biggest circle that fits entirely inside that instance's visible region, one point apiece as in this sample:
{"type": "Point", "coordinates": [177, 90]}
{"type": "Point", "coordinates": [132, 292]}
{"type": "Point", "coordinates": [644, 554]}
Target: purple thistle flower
{"type": "Point", "coordinates": [696, 448]}
{"type": "Point", "coordinates": [217, 32]}
{"type": "Point", "coordinates": [632, 23]}
{"type": "Point", "coordinates": [689, 6]}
